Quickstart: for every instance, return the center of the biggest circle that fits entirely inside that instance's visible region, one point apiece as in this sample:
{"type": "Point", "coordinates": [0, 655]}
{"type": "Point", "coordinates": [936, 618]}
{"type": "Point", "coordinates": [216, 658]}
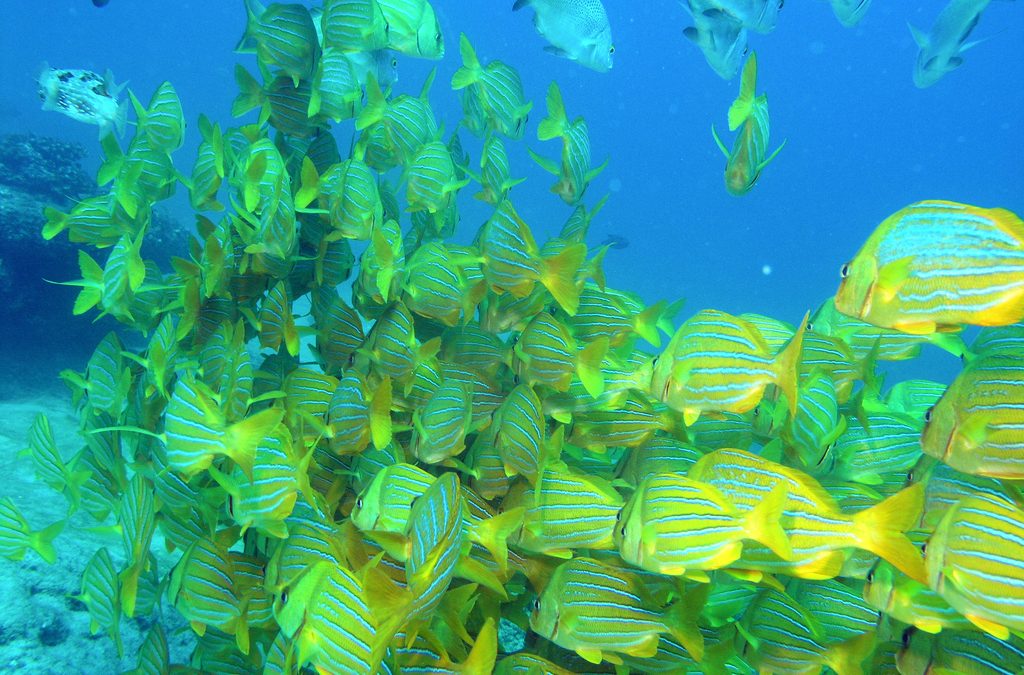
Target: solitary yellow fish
{"type": "Point", "coordinates": [935, 266]}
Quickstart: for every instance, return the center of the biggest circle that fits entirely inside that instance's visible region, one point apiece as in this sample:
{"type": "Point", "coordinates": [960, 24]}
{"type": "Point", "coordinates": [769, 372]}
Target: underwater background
{"type": "Point", "coordinates": [861, 142]}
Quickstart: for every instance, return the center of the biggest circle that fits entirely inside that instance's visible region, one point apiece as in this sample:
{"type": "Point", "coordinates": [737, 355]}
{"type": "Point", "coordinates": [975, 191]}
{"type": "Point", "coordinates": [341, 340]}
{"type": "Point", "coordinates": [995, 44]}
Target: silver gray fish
{"type": "Point", "coordinates": [84, 96]}
{"type": "Point", "coordinates": [850, 12]}
{"type": "Point", "coordinates": [575, 29]}
{"type": "Point", "coordinates": [942, 48]}
{"type": "Point", "coordinates": [719, 35]}
{"type": "Point", "coordinates": [759, 16]}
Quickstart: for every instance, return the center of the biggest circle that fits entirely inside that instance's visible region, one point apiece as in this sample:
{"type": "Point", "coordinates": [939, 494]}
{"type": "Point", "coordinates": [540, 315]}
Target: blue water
{"type": "Point", "coordinates": [862, 140]}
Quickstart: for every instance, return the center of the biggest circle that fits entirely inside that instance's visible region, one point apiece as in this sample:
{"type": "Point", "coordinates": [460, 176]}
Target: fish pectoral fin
{"type": "Point", "coordinates": [891, 277]}
{"type": "Point", "coordinates": [557, 51]}
{"type": "Point", "coordinates": [920, 37]}
{"type": "Point", "coordinates": [991, 627]}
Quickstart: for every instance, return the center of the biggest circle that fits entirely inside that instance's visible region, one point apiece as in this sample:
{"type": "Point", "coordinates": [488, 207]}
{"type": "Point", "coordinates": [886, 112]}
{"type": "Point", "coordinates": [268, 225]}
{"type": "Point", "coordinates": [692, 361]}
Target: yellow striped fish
{"type": "Point", "coordinates": [977, 427]}
{"type": "Point", "coordinates": [600, 611]}
{"type": "Point", "coordinates": [974, 562]}
{"type": "Point", "coordinates": [325, 613]}
{"type": "Point", "coordinates": [566, 511]}
{"type": "Point", "coordinates": [935, 266]}
{"type": "Point", "coordinates": [677, 526]}
{"type": "Point", "coordinates": [717, 362]}
{"type": "Point", "coordinates": [818, 531]}
{"type": "Point", "coordinates": [958, 652]}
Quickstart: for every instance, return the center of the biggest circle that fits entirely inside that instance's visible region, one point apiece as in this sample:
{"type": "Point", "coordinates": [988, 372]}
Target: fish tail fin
{"type": "Point", "coordinates": [646, 323]}
{"type": "Point", "coordinates": [681, 620]}
{"type": "Point", "coordinates": [554, 125]}
{"type": "Point", "coordinates": [42, 541]}
{"type": "Point", "coordinates": [470, 71]}
{"type": "Point", "coordinates": [493, 534]}
{"type": "Point", "coordinates": [847, 657]}
{"type": "Point", "coordinates": [718, 142]}
{"type": "Point", "coordinates": [764, 522]}
{"type": "Point", "coordinates": [250, 92]}
{"type": "Point", "coordinates": [558, 274]}
{"type": "Point", "coordinates": [787, 367]}
{"type": "Point", "coordinates": [92, 284]}
{"type": "Point", "coordinates": [56, 222]}
{"type": "Point", "coordinates": [242, 437]}
{"type": "Point", "coordinates": [588, 366]}
{"type": "Point", "coordinates": [380, 414]}
{"type": "Point", "coordinates": [376, 104]}
{"type": "Point", "coordinates": [743, 106]}
{"type": "Point", "coordinates": [484, 652]}
{"type": "Point", "coordinates": [881, 529]}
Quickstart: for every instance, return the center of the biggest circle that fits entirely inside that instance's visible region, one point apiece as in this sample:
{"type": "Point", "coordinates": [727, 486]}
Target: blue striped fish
{"type": "Point", "coordinates": [495, 175]}
{"type": "Point", "coordinates": [282, 36]}
{"type": "Point", "coordinates": [431, 180]}
{"type": "Point", "coordinates": [818, 531]}
{"type": "Point", "coordinates": [101, 596]}
{"type": "Point", "coordinates": [574, 171]}
{"type": "Point", "coordinates": [547, 354]}
{"type": "Point", "coordinates": [163, 120]}
{"type": "Point", "coordinates": [353, 199]}
{"type": "Point", "coordinates": [884, 443]}
{"type": "Point", "coordinates": [886, 344]}
{"type": "Point", "coordinates": [567, 511]}
{"type": "Point", "coordinates": [195, 431]}
{"type": "Point", "coordinates": [326, 616]}
{"type": "Point", "coordinates": [959, 652]}
{"type": "Point", "coordinates": [435, 531]}
{"type": "Point", "coordinates": [902, 278]}
{"type": "Point", "coordinates": [442, 423]}
{"type": "Point", "coordinates": [513, 263]}
{"type": "Point", "coordinates": [978, 425]}
{"type": "Point", "coordinates": [910, 601]}
{"type": "Point", "coordinates": [521, 440]}
{"type": "Point", "coordinates": [677, 526]}
{"type": "Point", "coordinates": [202, 587]}
{"type": "Point", "coordinates": [717, 362]}
{"type": "Point", "coordinates": [749, 114]}
{"type": "Point", "coordinates": [492, 100]}
{"type": "Point", "coordinates": [973, 562]}
{"type": "Point", "coordinates": [784, 637]}
{"type": "Point", "coordinates": [600, 611]}
{"type": "Point", "coordinates": [17, 537]}
{"type": "Point", "coordinates": [353, 25]}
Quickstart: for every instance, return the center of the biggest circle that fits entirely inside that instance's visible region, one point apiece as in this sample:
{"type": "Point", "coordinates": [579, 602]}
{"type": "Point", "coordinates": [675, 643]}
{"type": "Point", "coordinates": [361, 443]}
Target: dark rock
{"type": "Point", "coordinates": [53, 631]}
{"type": "Point", "coordinates": [75, 605]}
{"type": "Point", "coordinates": [45, 166]}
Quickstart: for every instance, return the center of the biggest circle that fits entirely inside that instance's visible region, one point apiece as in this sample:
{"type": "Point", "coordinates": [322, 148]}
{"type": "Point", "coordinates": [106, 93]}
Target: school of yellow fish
{"type": "Point", "coordinates": [485, 458]}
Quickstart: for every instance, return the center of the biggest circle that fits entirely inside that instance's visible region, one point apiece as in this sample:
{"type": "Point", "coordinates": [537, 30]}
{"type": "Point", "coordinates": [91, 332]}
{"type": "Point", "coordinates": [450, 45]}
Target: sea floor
{"type": "Point", "coordinates": [43, 628]}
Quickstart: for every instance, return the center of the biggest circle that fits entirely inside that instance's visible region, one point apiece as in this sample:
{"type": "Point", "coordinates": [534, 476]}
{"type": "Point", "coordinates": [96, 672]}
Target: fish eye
{"type": "Point", "coordinates": [536, 604]}
{"type": "Point", "coordinates": [928, 414]}
{"type": "Point", "coordinates": [515, 379]}
{"type": "Point", "coordinates": [844, 271]}
{"type": "Point", "coordinates": [810, 326]}
{"type": "Point", "coordinates": [611, 50]}
{"type": "Point", "coordinates": [905, 638]}
{"type": "Point", "coordinates": [924, 548]}
{"type": "Point", "coordinates": [756, 412]}
{"type": "Point", "coordinates": [654, 361]}
{"type": "Point", "coordinates": [284, 597]}
{"type": "Point", "coordinates": [437, 38]}
{"type": "Point", "coordinates": [910, 477]}
{"type": "Point", "coordinates": [359, 503]}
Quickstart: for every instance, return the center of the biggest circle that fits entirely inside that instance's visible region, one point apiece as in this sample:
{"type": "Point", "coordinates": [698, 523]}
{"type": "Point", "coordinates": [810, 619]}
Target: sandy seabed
{"type": "Point", "coordinates": [43, 628]}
